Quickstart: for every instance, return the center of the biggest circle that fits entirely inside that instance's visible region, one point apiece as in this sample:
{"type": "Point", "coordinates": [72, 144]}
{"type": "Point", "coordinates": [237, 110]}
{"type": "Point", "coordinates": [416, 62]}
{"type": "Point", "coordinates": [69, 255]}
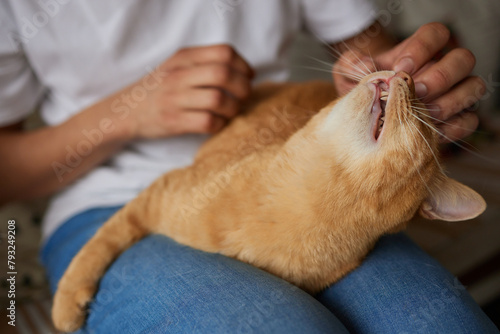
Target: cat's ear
{"type": "Point", "coordinates": [450, 200]}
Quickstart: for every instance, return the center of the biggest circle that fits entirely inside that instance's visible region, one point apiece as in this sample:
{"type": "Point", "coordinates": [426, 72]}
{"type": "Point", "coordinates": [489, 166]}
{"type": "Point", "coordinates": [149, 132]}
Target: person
{"type": "Point", "coordinates": [129, 90]}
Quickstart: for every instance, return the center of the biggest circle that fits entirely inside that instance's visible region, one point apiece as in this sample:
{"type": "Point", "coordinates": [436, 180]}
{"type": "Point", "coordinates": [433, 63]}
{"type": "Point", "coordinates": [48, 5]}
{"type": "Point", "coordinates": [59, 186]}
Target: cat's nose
{"type": "Point", "coordinates": [406, 77]}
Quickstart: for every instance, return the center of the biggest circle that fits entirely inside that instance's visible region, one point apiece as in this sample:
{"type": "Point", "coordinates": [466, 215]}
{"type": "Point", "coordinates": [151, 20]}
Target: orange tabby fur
{"type": "Point", "coordinates": [303, 198]}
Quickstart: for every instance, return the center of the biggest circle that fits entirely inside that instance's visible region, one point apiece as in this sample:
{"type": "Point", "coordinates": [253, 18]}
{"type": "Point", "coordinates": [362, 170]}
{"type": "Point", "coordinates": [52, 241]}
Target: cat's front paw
{"type": "Point", "coordinates": [70, 308]}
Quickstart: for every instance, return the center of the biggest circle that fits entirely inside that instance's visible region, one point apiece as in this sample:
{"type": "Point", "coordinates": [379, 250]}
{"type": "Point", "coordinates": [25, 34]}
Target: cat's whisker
{"type": "Point", "coordinates": [341, 68]}
{"type": "Point", "coordinates": [331, 65]}
{"type": "Point", "coordinates": [336, 53]}
{"type": "Point", "coordinates": [456, 142]}
{"type": "Point", "coordinates": [357, 76]}
{"type": "Point", "coordinates": [373, 62]}
{"type": "Point", "coordinates": [399, 119]}
{"type": "Point", "coordinates": [317, 69]}
{"type": "Point", "coordinates": [425, 140]}
{"type": "Point", "coordinates": [410, 150]}
{"type": "Point", "coordinates": [355, 54]}
{"type": "Point", "coordinates": [328, 45]}
{"type": "Point", "coordinates": [434, 128]}
{"type": "Point", "coordinates": [406, 130]}
{"type": "Point", "coordinates": [321, 61]}
{"type": "Point", "coordinates": [440, 121]}
{"type": "Point", "coordinates": [338, 56]}
{"type": "Point", "coordinates": [413, 156]}
{"type": "Point", "coordinates": [424, 109]}
{"type": "Point", "coordinates": [350, 76]}
{"type": "Point", "coordinates": [353, 65]}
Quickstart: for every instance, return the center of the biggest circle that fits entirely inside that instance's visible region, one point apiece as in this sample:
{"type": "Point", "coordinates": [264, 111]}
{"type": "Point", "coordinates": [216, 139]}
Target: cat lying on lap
{"type": "Point", "coordinates": [308, 205]}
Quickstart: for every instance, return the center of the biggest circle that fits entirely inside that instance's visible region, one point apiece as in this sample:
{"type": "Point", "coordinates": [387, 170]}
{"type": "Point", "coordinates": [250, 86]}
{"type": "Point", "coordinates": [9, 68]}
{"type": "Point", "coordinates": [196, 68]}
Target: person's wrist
{"type": "Point", "coordinates": [104, 123]}
{"type": "Point", "coordinates": [126, 129]}
{"type": "Point", "coordinates": [122, 113]}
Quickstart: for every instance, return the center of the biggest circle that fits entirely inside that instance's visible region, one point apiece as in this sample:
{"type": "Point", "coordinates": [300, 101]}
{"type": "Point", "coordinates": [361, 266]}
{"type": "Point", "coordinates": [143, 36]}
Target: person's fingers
{"type": "Point", "coordinates": [417, 50]}
{"type": "Point", "coordinates": [458, 127]}
{"type": "Point", "coordinates": [194, 122]}
{"type": "Point", "coordinates": [222, 54]}
{"type": "Point", "coordinates": [208, 99]}
{"type": "Point", "coordinates": [212, 75]}
{"type": "Point", "coordinates": [424, 68]}
{"type": "Point", "coordinates": [460, 97]}
{"type": "Point", "coordinates": [440, 77]}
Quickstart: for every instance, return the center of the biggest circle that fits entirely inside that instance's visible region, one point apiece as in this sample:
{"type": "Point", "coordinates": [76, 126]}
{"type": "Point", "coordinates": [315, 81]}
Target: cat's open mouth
{"type": "Point", "coordinates": [378, 110]}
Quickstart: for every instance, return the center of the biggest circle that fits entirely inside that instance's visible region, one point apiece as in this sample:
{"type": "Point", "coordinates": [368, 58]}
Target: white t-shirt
{"type": "Point", "coordinates": [65, 55]}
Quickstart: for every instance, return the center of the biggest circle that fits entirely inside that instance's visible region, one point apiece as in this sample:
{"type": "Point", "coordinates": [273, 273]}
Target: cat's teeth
{"type": "Point", "coordinates": [384, 95]}
{"type": "Point", "coordinates": [381, 122]}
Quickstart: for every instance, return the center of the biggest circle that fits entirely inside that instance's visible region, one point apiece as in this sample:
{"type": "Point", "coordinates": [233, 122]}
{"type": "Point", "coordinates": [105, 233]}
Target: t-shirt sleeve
{"type": "Point", "coordinates": [336, 20]}
{"type": "Point", "coordinates": [20, 89]}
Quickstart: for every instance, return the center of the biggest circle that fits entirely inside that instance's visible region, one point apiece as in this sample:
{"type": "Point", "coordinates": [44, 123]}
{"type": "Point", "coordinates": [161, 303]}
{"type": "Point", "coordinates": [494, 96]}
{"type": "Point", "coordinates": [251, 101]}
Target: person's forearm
{"type": "Point", "coordinates": [196, 90]}
{"type": "Point", "coordinates": [40, 162]}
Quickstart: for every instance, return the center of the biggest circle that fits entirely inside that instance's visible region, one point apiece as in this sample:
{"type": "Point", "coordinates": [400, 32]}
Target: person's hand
{"type": "Point", "coordinates": [197, 90]}
{"type": "Point", "coordinates": [444, 85]}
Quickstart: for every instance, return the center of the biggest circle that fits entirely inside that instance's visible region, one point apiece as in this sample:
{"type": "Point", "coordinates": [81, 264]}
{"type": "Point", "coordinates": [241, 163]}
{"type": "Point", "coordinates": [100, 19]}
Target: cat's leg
{"type": "Point", "coordinates": [79, 283]}
{"type": "Point", "coordinates": [160, 286]}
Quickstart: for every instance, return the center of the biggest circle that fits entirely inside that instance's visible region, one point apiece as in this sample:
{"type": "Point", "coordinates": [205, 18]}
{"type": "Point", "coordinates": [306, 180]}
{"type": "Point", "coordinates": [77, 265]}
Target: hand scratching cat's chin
{"type": "Point", "coordinates": [382, 102]}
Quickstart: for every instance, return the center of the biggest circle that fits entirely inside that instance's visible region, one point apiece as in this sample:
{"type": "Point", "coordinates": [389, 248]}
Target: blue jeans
{"type": "Point", "coordinates": [160, 286]}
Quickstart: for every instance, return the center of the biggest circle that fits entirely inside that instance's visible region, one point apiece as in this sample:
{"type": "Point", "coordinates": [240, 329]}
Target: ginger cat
{"type": "Point", "coordinates": [301, 194]}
